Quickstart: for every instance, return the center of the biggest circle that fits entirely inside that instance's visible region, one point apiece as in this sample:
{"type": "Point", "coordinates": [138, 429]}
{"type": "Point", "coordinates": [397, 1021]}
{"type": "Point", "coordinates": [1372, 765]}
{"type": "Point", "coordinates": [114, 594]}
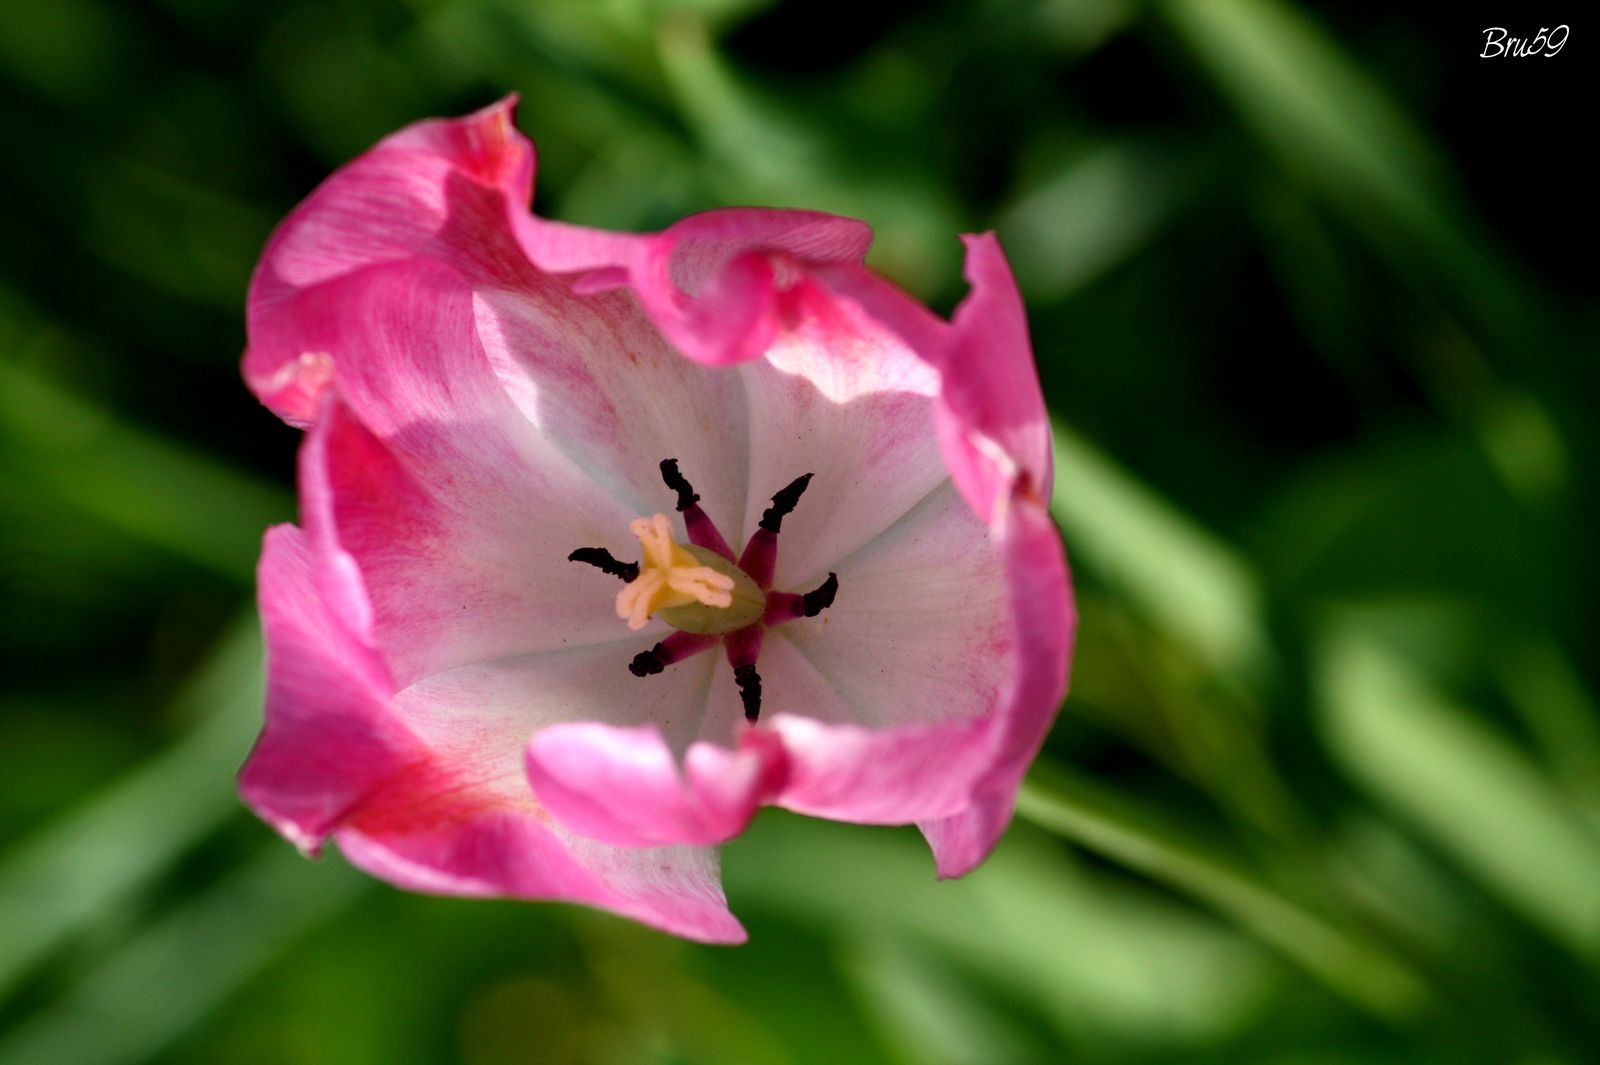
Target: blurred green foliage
{"type": "Point", "coordinates": [1328, 785]}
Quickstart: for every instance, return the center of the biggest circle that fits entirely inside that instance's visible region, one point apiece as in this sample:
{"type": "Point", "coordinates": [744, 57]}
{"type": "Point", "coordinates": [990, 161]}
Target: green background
{"type": "Point", "coordinates": [1313, 299]}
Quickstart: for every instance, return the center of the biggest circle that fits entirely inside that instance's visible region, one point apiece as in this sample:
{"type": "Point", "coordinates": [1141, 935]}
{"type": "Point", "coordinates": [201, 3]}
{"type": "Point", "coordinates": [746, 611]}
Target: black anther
{"type": "Point", "coordinates": [749, 682]}
{"type": "Point", "coordinates": [679, 484]}
{"type": "Point", "coordinates": [783, 503]}
{"type": "Point", "coordinates": [647, 663]}
{"type": "Point", "coordinates": [820, 598]}
{"type": "Point", "coordinates": [601, 559]}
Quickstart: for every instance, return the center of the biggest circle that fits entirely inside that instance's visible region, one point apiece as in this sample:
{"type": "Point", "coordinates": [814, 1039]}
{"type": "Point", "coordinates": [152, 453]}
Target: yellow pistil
{"type": "Point", "coordinates": [669, 576]}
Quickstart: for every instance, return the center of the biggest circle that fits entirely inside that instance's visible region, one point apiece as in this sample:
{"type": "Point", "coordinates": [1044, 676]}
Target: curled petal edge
{"type": "Point", "coordinates": [448, 189]}
{"type": "Point", "coordinates": [1045, 620]}
{"type": "Point", "coordinates": [623, 785]}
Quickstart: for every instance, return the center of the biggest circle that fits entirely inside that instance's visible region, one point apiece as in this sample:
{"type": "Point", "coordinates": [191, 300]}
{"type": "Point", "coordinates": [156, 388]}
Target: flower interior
{"type": "Point", "coordinates": [702, 591]}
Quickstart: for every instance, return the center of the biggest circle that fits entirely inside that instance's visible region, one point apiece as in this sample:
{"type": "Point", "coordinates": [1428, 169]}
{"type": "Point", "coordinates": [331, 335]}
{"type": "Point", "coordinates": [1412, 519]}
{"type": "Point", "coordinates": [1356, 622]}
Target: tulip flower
{"type": "Point", "coordinates": [608, 539]}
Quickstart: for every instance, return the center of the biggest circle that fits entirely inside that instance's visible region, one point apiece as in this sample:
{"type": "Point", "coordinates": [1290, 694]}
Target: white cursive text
{"type": "Point", "coordinates": [1546, 42]}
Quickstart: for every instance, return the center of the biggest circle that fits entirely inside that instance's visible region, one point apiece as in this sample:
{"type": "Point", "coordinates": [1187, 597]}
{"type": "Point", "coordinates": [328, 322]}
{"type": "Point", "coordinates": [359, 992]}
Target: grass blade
{"type": "Point", "coordinates": [1359, 970]}
{"type": "Point", "coordinates": [99, 855]}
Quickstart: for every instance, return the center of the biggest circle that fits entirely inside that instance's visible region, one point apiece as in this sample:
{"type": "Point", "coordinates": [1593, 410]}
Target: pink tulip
{"type": "Point", "coordinates": [821, 574]}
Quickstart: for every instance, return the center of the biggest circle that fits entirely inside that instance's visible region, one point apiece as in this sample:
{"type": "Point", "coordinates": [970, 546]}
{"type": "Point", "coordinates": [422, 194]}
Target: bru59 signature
{"type": "Point", "coordinates": [1546, 42]}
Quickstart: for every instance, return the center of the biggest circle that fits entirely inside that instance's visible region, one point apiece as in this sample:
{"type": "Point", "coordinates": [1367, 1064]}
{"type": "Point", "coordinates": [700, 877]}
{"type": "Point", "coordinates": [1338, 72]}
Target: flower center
{"type": "Point", "coordinates": [691, 588]}
{"type": "Point", "coordinates": [700, 590]}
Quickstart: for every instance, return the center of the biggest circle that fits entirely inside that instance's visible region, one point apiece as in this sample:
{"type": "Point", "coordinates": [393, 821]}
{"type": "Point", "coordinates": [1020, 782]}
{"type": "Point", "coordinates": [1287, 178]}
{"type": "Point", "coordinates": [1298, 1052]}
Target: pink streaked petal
{"type": "Point", "coordinates": [992, 420]}
{"type": "Point", "coordinates": [839, 396]}
{"type": "Point", "coordinates": [508, 442]}
{"type": "Point", "coordinates": [1044, 620]}
{"type": "Point", "coordinates": [484, 145]}
{"type": "Point", "coordinates": [601, 387]}
{"type": "Point", "coordinates": [598, 256]}
{"type": "Point", "coordinates": [442, 190]}
{"type": "Point", "coordinates": [329, 740]}
{"type": "Point", "coordinates": [452, 570]}
{"type": "Point", "coordinates": [624, 785]}
{"type": "Point", "coordinates": [421, 192]}
{"type": "Point", "coordinates": [431, 832]}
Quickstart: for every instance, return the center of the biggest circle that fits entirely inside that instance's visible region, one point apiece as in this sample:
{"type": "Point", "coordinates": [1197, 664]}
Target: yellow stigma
{"type": "Point", "coordinates": [669, 576]}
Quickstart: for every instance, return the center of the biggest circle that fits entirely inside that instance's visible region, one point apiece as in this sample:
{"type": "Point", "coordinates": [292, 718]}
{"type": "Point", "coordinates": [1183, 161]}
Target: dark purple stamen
{"type": "Point", "coordinates": [820, 598]}
{"type": "Point", "coordinates": [647, 663]}
{"type": "Point", "coordinates": [786, 606]}
{"type": "Point", "coordinates": [701, 529]}
{"type": "Point", "coordinates": [675, 648]}
{"type": "Point", "coordinates": [783, 503]}
{"type": "Point", "coordinates": [761, 553]}
{"type": "Point", "coordinates": [687, 497]}
{"type": "Point", "coordinates": [743, 647]}
{"type": "Point", "coordinates": [749, 682]}
{"type": "Point", "coordinates": [601, 559]}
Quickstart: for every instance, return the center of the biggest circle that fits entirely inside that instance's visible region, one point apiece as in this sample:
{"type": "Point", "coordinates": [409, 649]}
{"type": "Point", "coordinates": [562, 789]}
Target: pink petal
{"type": "Point", "coordinates": [885, 776]}
{"type": "Point", "coordinates": [449, 192]}
{"type": "Point", "coordinates": [1043, 619]}
{"type": "Point", "coordinates": [840, 396]}
{"type": "Point", "coordinates": [441, 190]}
{"type": "Point", "coordinates": [713, 283]}
{"type": "Point", "coordinates": [625, 785]}
{"type": "Point", "coordinates": [992, 419]}
{"type": "Point", "coordinates": [461, 554]}
{"type": "Point", "coordinates": [887, 702]}
{"type": "Point", "coordinates": [612, 398]}
{"type": "Point", "coordinates": [329, 741]}
{"type": "Point", "coordinates": [996, 439]}
{"type": "Point", "coordinates": [993, 670]}
{"type": "Point", "coordinates": [995, 442]}
{"type": "Point", "coordinates": [337, 758]}
{"type": "Point", "coordinates": [920, 630]}
{"type": "Point", "coordinates": [427, 833]}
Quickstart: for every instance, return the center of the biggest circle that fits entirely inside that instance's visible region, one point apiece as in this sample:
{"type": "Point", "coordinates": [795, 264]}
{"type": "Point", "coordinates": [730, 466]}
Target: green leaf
{"type": "Point", "coordinates": [184, 965]}
{"type": "Point", "coordinates": [1089, 215]}
{"type": "Point", "coordinates": [1200, 590]}
{"type": "Point", "coordinates": [1466, 787]}
{"type": "Point", "coordinates": [1104, 966]}
{"type": "Point", "coordinates": [144, 486]}
{"type": "Point", "coordinates": [99, 855]}
{"type": "Point", "coordinates": [1094, 818]}
{"type": "Point", "coordinates": [1547, 691]}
